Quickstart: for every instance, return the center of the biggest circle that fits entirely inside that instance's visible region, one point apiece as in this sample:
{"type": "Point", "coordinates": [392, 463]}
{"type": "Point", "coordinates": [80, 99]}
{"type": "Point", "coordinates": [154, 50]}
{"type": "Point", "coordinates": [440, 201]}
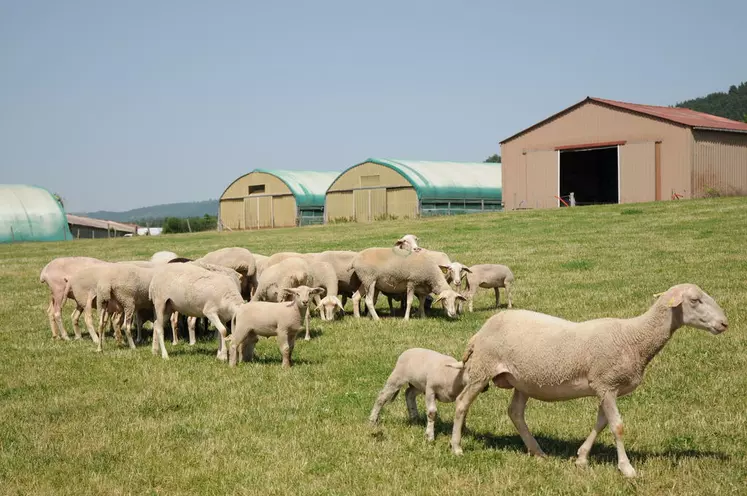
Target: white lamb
{"type": "Point", "coordinates": [552, 359]}
{"type": "Point", "coordinates": [424, 372]}
{"type": "Point", "coordinates": [264, 318]}
{"type": "Point", "coordinates": [493, 276]}
{"type": "Point", "coordinates": [195, 292]}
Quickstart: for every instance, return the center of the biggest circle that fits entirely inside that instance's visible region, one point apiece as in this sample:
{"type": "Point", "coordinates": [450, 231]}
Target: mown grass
{"type": "Point", "coordinates": [122, 422]}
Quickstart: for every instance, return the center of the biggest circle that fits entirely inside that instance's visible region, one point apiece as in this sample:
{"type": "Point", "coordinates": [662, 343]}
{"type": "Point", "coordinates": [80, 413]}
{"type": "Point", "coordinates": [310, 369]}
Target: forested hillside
{"type": "Point", "coordinates": [732, 105]}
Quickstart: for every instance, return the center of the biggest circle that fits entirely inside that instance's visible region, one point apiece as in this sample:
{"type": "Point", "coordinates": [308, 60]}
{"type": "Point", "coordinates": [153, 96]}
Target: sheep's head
{"type": "Point", "coordinates": [695, 308]}
{"type": "Point", "coordinates": [449, 299]}
{"type": "Point", "coordinates": [302, 294]}
{"type": "Point", "coordinates": [329, 303]}
{"type": "Point", "coordinates": [408, 242]}
{"type": "Point", "coordinates": [455, 272]}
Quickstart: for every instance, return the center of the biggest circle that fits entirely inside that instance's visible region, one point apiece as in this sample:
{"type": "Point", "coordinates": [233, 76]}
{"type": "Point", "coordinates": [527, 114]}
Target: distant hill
{"type": "Point", "coordinates": [156, 212]}
{"type": "Point", "coordinates": [732, 105]}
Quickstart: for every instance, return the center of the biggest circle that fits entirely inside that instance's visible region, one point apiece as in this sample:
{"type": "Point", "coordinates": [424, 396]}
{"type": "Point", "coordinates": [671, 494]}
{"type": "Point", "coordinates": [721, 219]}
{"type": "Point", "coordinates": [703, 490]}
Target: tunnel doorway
{"type": "Point", "coordinates": [591, 175]}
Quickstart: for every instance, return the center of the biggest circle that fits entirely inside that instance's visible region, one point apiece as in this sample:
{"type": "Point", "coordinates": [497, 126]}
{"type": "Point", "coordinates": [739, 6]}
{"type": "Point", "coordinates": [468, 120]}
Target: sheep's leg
{"type": "Point", "coordinates": [463, 402]}
{"type": "Point", "coordinates": [386, 395]}
{"type": "Point", "coordinates": [370, 301]}
{"type": "Point", "coordinates": [497, 297]}
{"type": "Point", "coordinates": [50, 316]}
{"type": "Point", "coordinates": [57, 298]}
{"type": "Point", "coordinates": [191, 325]}
{"type": "Point", "coordinates": [471, 298]}
{"type": "Point", "coordinates": [117, 321]}
{"type": "Point", "coordinates": [306, 323]}
{"type": "Point", "coordinates": [128, 317]}
{"type": "Point", "coordinates": [392, 311]}
{"type": "Point", "coordinates": [285, 349]}
{"type": "Point", "coordinates": [246, 350]}
{"type": "Point", "coordinates": [88, 317]}
{"type": "Point", "coordinates": [139, 326]}
{"type": "Point", "coordinates": [175, 328]}
{"type": "Point", "coordinates": [102, 321]}
{"type": "Point", "coordinates": [508, 294]}
{"type": "Point", "coordinates": [222, 348]}
{"type": "Point", "coordinates": [609, 405]}
{"type": "Point", "coordinates": [421, 305]}
{"type": "Point", "coordinates": [583, 451]}
{"type": "Point", "coordinates": [356, 304]}
{"type": "Point", "coordinates": [430, 408]}
{"type": "Point", "coordinates": [516, 413]}
{"type": "Point", "coordinates": [75, 317]}
{"type": "Point", "coordinates": [411, 395]}
{"type": "Point", "coordinates": [318, 303]}
{"type": "Point", "coordinates": [410, 293]}
{"type": "Point", "coordinates": [162, 314]}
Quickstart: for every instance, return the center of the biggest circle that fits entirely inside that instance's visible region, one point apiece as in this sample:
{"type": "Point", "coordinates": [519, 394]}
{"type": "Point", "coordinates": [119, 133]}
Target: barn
{"type": "Point", "coordinates": [86, 227]}
{"type": "Point", "coordinates": [385, 188]}
{"type": "Point", "coordinates": [605, 151]}
{"type": "Point", "coordinates": [30, 213]}
{"type": "Point", "coordinates": [274, 198]}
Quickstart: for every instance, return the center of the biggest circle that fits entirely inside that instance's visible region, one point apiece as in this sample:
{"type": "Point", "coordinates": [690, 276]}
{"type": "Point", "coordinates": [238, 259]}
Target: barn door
{"type": "Point", "coordinates": [360, 200]}
{"type": "Point", "coordinates": [250, 213]}
{"type": "Point", "coordinates": [258, 211]}
{"type": "Point", "coordinates": [541, 179]}
{"type": "Point", "coordinates": [638, 172]}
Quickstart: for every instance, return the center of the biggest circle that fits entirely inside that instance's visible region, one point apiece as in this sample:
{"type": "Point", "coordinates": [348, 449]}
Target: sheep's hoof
{"type": "Point", "coordinates": [582, 462]}
{"type": "Point", "coordinates": [457, 450]}
{"type": "Point", "coordinates": [627, 469]}
{"type": "Point", "coordinates": [222, 357]}
{"type": "Point", "coordinates": [307, 338]}
{"type": "Point", "coordinates": [192, 343]}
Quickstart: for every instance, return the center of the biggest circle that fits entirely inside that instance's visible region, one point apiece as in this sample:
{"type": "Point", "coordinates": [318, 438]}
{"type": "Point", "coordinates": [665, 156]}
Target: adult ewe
{"type": "Point", "coordinates": [551, 359]}
{"type": "Point", "coordinates": [239, 259]}
{"type": "Point", "coordinates": [391, 270]}
{"type": "Point", "coordinates": [55, 275]}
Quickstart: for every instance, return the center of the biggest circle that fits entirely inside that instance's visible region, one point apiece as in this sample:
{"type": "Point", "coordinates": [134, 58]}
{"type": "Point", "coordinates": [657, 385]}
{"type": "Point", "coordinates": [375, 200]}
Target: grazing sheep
{"type": "Point", "coordinates": [425, 372]}
{"type": "Point", "coordinates": [395, 271]}
{"type": "Point", "coordinates": [264, 318]}
{"type": "Point", "coordinates": [342, 262]}
{"type": "Point", "coordinates": [551, 359]}
{"type": "Point", "coordinates": [81, 288]}
{"type": "Point", "coordinates": [482, 276]}
{"type": "Point", "coordinates": [323, 275]}
{"type": "Point", "coordinates": [195, 292]}
{"type": "Point", "coordinates": [161, 257]}
{"type": "Point", "coordinates": [239, 259]}
{"type": "Point", "coordinates": [126, 285]}
{"type": "Point", "coordinates": [53, 275]}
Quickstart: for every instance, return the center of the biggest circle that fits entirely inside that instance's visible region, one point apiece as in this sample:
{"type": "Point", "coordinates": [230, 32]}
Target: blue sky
{"type": "Point", "coordinates": [117, 105]}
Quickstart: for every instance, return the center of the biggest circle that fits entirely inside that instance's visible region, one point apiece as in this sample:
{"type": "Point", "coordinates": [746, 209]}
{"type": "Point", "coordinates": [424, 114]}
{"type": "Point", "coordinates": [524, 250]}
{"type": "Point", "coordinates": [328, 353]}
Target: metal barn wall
{"type": "Point", "coordinates": [586, 124]}
{"type": "Point", "coordinates": [369, 192]}
{"type": "Point", "coordinates": [638, 172]}
{"type": "Point", "coordinates": [719, 163]}
{"type": "Point", "coordinates": [273, 207]}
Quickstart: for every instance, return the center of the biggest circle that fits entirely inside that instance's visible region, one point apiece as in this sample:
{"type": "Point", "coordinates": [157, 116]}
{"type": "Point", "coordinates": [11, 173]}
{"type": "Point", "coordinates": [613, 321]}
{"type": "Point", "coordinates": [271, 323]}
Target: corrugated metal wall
{"type": "Point", "coordinates": [638, 172]}
{"type": "Point", "coordinates": [719, 163]}
{"type": "Point", "coordinates": [355, 195]}
{"type": "Point", "coordinates": [593, 123]}
{"type": "Point", "coordinates": [541, 172]}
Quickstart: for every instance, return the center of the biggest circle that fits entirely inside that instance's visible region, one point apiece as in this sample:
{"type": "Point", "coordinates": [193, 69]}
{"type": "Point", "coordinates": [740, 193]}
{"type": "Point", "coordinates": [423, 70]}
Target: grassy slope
{"type": "Point", "coordinates": [72, 421]}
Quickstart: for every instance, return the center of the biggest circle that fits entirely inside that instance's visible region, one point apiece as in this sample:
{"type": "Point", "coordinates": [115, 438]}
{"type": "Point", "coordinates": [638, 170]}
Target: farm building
{"type": "Point", "coordinates": [605, 151]}
{"type": "Point", "coordinates": [86, 227]}
{"type": "Point", "coordinates": [384, 188]}
{"type": "Point", "coordinates": [30, 213]}
{"type": "Point", "coordinates": [274, 198]}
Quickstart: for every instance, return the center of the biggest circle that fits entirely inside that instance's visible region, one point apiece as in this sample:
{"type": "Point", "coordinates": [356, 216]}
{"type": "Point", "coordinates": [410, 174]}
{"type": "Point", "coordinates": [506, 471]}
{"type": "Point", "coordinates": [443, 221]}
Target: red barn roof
{"type": "Point", "coordinates": [676, 115]}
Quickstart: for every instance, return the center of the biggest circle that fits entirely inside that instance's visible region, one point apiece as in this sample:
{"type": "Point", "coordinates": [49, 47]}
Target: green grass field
{"type": "Point", "coordinates": [76, 422]}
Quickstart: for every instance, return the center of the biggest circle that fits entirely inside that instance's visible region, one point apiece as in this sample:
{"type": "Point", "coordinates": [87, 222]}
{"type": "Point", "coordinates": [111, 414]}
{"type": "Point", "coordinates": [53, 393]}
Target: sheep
{"type": "Point", "coordinates": [81, 287]}
{"type": "Point", "coordinates": [483, 276]}
{"type": "Point", "coordinates": [552, 359]}
{"type": "Point", "coordinates": [127, 285]}
{"type": "Point", "coordinates": [195, 292]}
{"type": "Point", "coordinates": [239, 259]}
{"type": "Point", "coordinates": [260, 263]}
{"type": "Point", "coordinates": [323, 275]}
{"type": "Point", "coordinates": [53, 275]}
{"type": "Point", "coordinates": [408, 242]}
{"type": "Point", "coordinates": [395, 271]}
{"type": "Point", "coordinates": [425, 372]}
{"type": "Point", "coordinates": [289, 273]}
{"type": "Point", "coordinates": [263, 318]}
{"type": "Point", "coordinates": [163, 257]}
{"type": "Point", "coordinates": [341, 261]}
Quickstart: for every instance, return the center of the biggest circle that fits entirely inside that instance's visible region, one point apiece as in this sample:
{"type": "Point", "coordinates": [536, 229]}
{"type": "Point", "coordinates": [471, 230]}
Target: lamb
{"type": "Point", "coordinates": [195, 292]}
{"type": "Point", "coordinates": [263, 318]}
{"type": "Point", "coordinates": [289, 273]}
{"type": "Point", "coordinates": [239, 259]}
{"type": "Point", "coordinates": [53, 275]}
{"type": "Point", "coordinates": [483, 276]}
{"type": "Point", "coordinates": [552, 359]}
{"type": "Point", "coordinates": [425, 372]}
{"type": "Point", "coordinates": [126, 285]}
{"type": "Point", "coordinates": [323, 275]}
{"type": "Point", "coordinates": [394, 271]}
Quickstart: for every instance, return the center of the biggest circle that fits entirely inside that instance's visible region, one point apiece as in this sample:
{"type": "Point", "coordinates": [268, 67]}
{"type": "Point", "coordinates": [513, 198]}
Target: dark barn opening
{"type": "Point", "coordinates": [591, 175]}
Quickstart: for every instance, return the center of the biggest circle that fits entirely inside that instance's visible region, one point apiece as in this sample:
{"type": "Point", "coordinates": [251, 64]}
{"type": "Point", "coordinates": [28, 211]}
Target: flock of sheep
{"type": "Point", "coordinates": [537, 355]}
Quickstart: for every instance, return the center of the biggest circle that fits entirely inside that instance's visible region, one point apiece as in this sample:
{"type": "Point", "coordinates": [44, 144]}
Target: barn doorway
{"type": "Point", "coordinates": [590, 174]}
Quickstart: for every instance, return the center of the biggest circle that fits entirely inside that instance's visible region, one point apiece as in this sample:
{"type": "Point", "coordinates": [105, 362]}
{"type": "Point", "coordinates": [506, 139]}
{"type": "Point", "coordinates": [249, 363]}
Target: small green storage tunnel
{"type": "Point", "coordinates": [386, 188]}
{"type": "Point", "coordinates": [275, 198]}
{"type": "Point", "coordinates": [30, 213]}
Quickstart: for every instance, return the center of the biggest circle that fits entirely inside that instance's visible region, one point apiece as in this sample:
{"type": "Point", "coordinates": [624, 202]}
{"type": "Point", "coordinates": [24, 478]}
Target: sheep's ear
{"type": "Point", "coordinates": [444, 269]}
{"type": "Point", "coordinates": [460, 297]}
{"type": "Point", "coordinates": [438, 298]}
{"type": "Point", "coordinates": [292, 291]}
{"type": "Point", "coordinates": [466, 269]}
{"type": "Point", "coordinates": [339, 303]}
{"type": "Point", "coordinates": [316, 291]}
{"type": "Point", "coordinates": [399, 243]}
{"type": "Point", "coordinates": [675, 300]}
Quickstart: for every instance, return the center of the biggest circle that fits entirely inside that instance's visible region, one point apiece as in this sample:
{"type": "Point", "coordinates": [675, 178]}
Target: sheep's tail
{"type": "Point", "coordinates": [467, 354]}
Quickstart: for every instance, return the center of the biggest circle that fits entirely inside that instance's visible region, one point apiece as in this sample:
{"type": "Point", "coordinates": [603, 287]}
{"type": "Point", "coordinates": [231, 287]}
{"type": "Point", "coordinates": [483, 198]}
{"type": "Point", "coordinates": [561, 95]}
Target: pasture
{"type": "Point", "coordinates": [76, 422]}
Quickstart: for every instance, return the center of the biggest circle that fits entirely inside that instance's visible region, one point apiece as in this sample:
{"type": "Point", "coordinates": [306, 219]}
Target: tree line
{"type": "Point", "coordinates": [731, 105]}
